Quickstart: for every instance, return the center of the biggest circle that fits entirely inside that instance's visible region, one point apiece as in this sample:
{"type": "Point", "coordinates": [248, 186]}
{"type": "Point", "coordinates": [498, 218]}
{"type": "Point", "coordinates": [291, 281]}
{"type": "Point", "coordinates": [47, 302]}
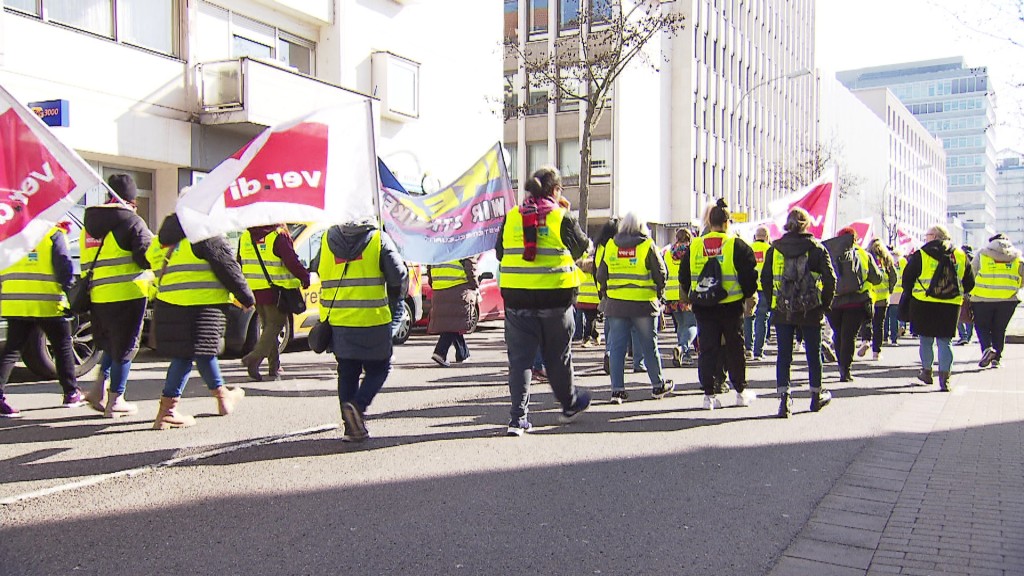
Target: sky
{"type": "Point", "coordinates": [861, 33]}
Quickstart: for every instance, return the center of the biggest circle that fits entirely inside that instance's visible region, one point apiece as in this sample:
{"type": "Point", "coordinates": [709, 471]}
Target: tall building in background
{"type": "Point", "coordinates": [1010, 197]}
{"type": "Point", "coordinates": [955, 103]}
{"type": "Point", "coordinates": [733, 100]}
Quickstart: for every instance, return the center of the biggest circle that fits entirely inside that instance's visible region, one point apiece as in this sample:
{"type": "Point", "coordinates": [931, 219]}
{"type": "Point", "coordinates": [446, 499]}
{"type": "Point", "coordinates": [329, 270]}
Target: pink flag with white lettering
{"type": "Point", "coordinates": [40, 179]}
{"type": "Point", "coordinates": [818, 198]}
{"type": "Point", "coordinates": [864, 230]}
{"type": "Point", "coordinates": [321, 167]}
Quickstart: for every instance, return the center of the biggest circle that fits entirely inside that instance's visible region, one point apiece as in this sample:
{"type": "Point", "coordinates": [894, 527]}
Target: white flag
{"type": "Point", "coordinates": [40, 180]}
{"type": "Point", "coordinates": [321, 167]}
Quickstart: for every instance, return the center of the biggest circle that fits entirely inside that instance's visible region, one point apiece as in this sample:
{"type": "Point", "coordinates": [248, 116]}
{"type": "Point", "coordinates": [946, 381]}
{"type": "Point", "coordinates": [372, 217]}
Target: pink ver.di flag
{"type": "Point", "coordinates": [40, 179]}
{"type": "Point", "coordinates": [321, 167]}
{"type": "Point", "coordinates": [818, 198]}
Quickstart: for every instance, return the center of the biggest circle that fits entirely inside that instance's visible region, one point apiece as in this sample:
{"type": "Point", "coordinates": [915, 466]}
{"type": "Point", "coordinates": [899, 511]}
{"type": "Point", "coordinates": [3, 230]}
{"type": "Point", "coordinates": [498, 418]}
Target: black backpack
{"type": "Point", "coordinates": [850, 273]}
{"type": "Point", "coordinates": [944, 284]}
{"type": "Point", "coordinates": [798, 292]}
{"type": "Point", "coordinates": [709, 290]}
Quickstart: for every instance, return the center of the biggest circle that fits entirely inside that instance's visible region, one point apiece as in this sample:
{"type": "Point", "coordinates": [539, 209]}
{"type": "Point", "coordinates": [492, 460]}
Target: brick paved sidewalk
{"type": "Point", "coordinates": [941, 491]}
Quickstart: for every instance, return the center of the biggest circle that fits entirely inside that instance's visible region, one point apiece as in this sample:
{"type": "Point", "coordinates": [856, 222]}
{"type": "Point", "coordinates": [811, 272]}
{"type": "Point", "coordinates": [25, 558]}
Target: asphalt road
{"type": "Point", "coordinates": [649, 487]}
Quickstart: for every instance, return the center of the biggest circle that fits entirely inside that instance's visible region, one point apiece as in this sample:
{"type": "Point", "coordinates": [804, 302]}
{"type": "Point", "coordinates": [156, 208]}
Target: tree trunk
{"type": "Point", "coordinates": [585, 154]}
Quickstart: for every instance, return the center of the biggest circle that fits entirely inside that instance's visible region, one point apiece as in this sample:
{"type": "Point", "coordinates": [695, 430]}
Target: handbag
{"type": "Point", "coordinates": [80, 293]}
{"type": "Point", "coordinates": [321, 335]}
{"type": "Point", "coordinates": [287, 300]}
{"type": "Point", "coordinates": [151, 340]}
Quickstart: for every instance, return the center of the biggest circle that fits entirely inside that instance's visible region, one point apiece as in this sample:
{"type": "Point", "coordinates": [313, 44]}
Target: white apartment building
{"type": "Point", "coordinates": [166, 89]}
{"type": "Point", "coordinates": [734, 96]}
{"type": "Point", "coordinates": [1010, 197]}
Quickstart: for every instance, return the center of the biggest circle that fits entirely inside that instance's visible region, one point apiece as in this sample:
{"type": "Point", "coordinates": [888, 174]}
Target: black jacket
{"type": "Point", "coordinates": [933, 319]}
{"type": "Point", "coordinates": [520, 298]}
{"type": "Point", "coordinates": [130, 232]}
{"type": "Point", "coordinates": [746, 274]}
{"type": "Point", "coordinates": [837, 246]}
{"type": "Point", "coordinates": [792, 245]}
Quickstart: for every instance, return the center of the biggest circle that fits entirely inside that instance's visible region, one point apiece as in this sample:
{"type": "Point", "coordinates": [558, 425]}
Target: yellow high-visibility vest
{"type": "Point", "coordinates": [553, 266]}
{"type": "Point", "coordinates": [588, 289]}
{"type": "Point", "coordinates": [901, 265]}
{"type": "Point", "coordinates": [760, 248]}
{"type": "Point", "coordinates": [115, 275]}
{"type": "Point", "coordinates": [928, 266]}
{"type": "Point", "coordinates": [880, 292]}
{"type": "Point", "coordinates": [29, 287]}
{"type": "Point", "coordinates": [187, 280]}
{"type": "Point", "coordinates": [778, 266]}
{"type": "Point", "coordinates": [253, 272]}
{"type": "Point", "coordinates": [699, 256]}
{"type": "Point", "coordinates": [353, 291]}
{"type": "Point", "coordinates": [997, 280]}
{"type": "Point", "coordinates": [447, 275]}
{"type": "Point", "coordinates": [628, 276]}
{"type": "Point", "coordinates": [672, 282]}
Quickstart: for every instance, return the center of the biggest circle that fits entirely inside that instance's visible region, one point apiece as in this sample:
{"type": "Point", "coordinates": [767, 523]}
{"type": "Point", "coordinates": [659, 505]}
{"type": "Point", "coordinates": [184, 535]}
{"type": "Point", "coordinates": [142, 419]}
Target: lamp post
{"type": "Point", "coordinates": [735, 116]}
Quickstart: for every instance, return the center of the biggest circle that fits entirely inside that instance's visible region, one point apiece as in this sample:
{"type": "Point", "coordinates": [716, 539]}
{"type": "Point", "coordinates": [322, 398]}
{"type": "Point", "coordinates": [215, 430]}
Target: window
{"type": "Point", "coordinates": [536, 156]}
{"type": "Point", "coordinates": [569, 157]}
{"type": "Point", "coordinates": [253, 39]}
{"type": "Point", "coordinates": [150, 24]}
{"type": "Point", "coordinates": [538, 17]}
{"type": "Point", "coordinates": [512, 159]}
{"type": "Point", "coordinates": [600, 159]}
{"type": "Point", "coordinates": [511, 19]}
{"type": "Point", "coordinates": [295, 52]}
{"type": "Point", "coordinates": [538, 102]}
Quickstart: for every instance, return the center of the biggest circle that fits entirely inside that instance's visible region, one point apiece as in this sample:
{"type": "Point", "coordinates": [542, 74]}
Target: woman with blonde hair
{"type": "Point", "coordinates": [871, 333]}
{"type": "Point", "coordinates": [937, 277]}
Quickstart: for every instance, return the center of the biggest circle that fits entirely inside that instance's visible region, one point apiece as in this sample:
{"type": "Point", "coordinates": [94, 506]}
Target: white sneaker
{"type": "Point", "coordinates": [745, 398]}
{"type": "Point", "coordinates": [863, 349]}
{"type": "Point", "coordinates": [711, 402]}
{"type": "Point", "coordinates": [876, 355]}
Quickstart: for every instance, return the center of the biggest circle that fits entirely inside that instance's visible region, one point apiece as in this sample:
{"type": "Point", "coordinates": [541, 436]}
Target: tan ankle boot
{"type": "Point", "coordinates": [117, 406]}
{"type": "Point", "coordinates": [227, 398]}
{"type": "Point", "coordinates": [96, 396]}
{"type": "Point", "coordinates": [169, 417]}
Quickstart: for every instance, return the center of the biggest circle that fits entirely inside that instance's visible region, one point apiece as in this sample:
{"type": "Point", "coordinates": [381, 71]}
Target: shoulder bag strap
{"type": "Point", "coordinates": [92, 265]}
{"type": "Point", "coordinates": [167, 260]}
{"type": "Point", "coordinates": [260, 258]}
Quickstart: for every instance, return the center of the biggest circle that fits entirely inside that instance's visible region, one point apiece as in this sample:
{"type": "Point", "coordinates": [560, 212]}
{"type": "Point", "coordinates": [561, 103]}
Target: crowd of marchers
{"type": "Point", "coordinates": [725, 298]}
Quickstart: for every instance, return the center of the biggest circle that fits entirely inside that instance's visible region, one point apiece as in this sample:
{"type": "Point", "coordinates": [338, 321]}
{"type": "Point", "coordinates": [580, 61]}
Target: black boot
{"type": "Point", "coordinates": [925, 376]}
{"type": "Point", "coordinates": [785, 405]}
{"type": "Point", "coordinates": [944, 382]}
{"type": "Point", "coordinates": [819, 398]}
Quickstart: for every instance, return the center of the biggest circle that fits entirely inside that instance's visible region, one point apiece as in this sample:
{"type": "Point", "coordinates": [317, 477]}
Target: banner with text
{"type": "Point", "coordinates": [458, 221]}
{"type": "Point", "coordinates": [818, 198]}
{"type": "Point", "coordinates": [40, 180]}
{"type": "Point", "coordinates": [321, 167]}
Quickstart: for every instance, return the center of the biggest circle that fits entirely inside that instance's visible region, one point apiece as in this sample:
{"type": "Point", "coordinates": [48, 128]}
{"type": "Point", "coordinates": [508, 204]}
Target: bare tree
{"type": "Point", "coordinates": [810, 164]}
{"type": "Point", "coordinates": [585, 66]}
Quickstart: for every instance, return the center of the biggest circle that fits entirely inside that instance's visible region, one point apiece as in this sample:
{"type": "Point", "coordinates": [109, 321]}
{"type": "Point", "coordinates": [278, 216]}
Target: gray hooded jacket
{"type": "Point", "coordinates": [655, 265]}
{"type": "Point", "coordinates": [1000, 250]}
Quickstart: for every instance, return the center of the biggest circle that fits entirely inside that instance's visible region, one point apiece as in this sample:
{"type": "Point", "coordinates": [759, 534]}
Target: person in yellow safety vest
{"type": "Point", "coordinates": [589, 299]}
{"type": "Point", "coordinates": [114, 244]}
{"type": "Point", "coordinates": [871, 331]}
{"type": "Point", "coordinates": [633, 276]}
{"type": "Point", "coordinates": [855, 272]}
{"type": "Point", "coordinates": [32, 295]}
{"type": "Point", "coordinates": [755, 326]}
{"type": "Point", "coordinates": [537, 247]}
{"type": "Point", "coordinates": [280, 267]}
{"type": "Point", "coordinates": [682, 313]}
{"type": "Point", "coordinates": [453, 304]}
{"type": "Point", "coordinates": [798, 306]}
{"type": "Point", "coordinates": [998, 277]}
{"type": "Point", "coordinates": [720, 324]}
{"type": "Point", "coordinates": [932, 318]}
{"type": "Point", "coordinates": [892, 313]}
{"type": "Point", "coordinates": [362, 275]}
{"type": "Point", "coordinates": [195, 282]}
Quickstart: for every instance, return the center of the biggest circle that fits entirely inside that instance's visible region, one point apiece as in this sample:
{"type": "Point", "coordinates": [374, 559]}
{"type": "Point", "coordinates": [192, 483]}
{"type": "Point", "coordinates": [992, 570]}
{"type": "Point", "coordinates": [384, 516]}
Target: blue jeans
{"type": "Point", "coordinates": [964, 330]}
{"type": "Point", "coordinates": [755, 328]}
{"type": "Point", "coordinates": [927, 353]}
{"type": "Point", "coordinates": [686, 329]}
{"type": "Point", "coordinates": [349, 372]}
{"type": "Point", "coordinates": [179, 369]}
{"type": "Point", "coordinates": [646, 346]}
{"type": "Point", "coordinates": [577, 315]}
{"type": "Point", "coordinates": [892, 323]}
{"type": "Point", "coordinates": [812, 349]}
{"type": "Point", "coordinates": [550, 330]}
{"type": "Point", "coordinates": [116, 371]}
{"type": "Point", "coordinates": [448, 339]}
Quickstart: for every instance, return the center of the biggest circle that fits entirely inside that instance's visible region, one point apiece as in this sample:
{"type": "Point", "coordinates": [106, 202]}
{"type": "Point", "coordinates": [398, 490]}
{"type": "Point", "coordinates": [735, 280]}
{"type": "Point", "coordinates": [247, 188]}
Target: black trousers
{"type": "Point", "coordinates": [57, 331]}
{"type": "Point", "coordinates": [845, 324]}
{"type": "Point", "coordinates": [990, 322]}
{"type": "Point", "coordinates": [873, 329]}
{"type": "Point", "coordinates": [720, 335]}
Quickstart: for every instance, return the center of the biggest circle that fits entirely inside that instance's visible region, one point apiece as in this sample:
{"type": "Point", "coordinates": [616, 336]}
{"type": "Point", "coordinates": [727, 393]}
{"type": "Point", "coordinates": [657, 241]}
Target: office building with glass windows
{"type": "Point", "coordinates": [1010, 196]}
{"type": "Point", "coordinates": [711, 112]}
{"type": "Point", "coordinates": [167, 89]}
{"type": "Point", "coordinates": [955, 103]}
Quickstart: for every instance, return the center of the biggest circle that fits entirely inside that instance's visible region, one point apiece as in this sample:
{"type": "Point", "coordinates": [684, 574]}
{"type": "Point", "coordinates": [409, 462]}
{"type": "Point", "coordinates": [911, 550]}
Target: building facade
{"type": "Point", "coordinates": [166, 89]}
{"type": "Point", "coordinates": [707, 113]}
{"type": "Point", "coordinates": [955, 103]}
{"type": "Point", "coordinates": [913, 193]}
{"type": "Point", "coordinates": [1010, 197]}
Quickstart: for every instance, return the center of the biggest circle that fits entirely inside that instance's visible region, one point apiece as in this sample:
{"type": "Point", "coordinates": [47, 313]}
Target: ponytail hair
{"type": "Point", "coordinates": [544, 182]}
{"type": "Point", "coordinates": [719, 215]}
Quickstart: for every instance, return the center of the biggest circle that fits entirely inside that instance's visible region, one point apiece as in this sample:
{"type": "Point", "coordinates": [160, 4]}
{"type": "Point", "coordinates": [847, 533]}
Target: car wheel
{"type": "Point", "coordinates": [38, 355]}
{"type": "Point", "coordinates": [474, 319]}
{"type": "Point", "coordinates": [285, 337]}
{"type": "Point", "coordinates": [405, 327]}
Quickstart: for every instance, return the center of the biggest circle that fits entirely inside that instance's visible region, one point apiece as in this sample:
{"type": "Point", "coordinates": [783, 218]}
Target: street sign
{"type": "Point", "coordinates": [740, 217]}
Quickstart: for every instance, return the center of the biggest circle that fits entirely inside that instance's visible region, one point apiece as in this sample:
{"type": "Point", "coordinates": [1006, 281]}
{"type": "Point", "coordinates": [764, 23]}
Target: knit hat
{"type": "Point", "coordinates": [123, 186]}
